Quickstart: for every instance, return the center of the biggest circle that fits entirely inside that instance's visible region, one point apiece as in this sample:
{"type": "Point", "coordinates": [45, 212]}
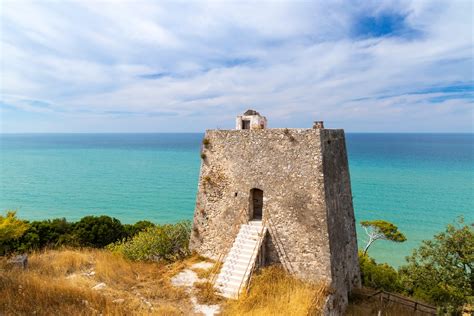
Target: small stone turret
{"type": "Point", "coordinates": [318, 125]}
{"type": "Point", "coordinates": [251, 119]}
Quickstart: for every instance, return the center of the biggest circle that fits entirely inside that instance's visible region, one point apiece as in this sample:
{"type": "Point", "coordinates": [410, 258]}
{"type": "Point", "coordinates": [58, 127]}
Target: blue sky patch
{"type": "Point", "coordinates": [383, 25]}
{"type": "Point", "coordinates": [235, 62]}
{"type": "Point", "coordinates": [157, 75]}
{"type": "Point", "coordinates": [461, 87]}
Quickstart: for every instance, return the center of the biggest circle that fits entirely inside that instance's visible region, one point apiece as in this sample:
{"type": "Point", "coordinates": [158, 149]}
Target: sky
{"type": "Point", "coordinates": [187, 66]}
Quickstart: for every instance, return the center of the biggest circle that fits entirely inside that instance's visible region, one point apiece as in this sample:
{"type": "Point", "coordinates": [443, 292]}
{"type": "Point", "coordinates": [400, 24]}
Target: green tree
{"type": "Point", "coordinates": [11, 228]}
{"type": "Point", "coordinates": [441, 269]}
{"type": "Point", "coordinates": [133, 229]}
{"type": "Point", "coordinates": [381, 230]}
{"type": "Point", "coordinates": [98, 231]}
{"type": "Point", "coordinates": [378, 276]}
{"type": "Point", "coordinates": [47, 233]}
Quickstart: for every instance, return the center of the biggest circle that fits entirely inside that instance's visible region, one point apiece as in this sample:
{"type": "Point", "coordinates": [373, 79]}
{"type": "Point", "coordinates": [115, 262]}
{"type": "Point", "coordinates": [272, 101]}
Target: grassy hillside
{"type": "Point", "coordinates": [138, 264]}
{"type": "Point", "coordinates": [61, 282]}
{"type": "Point", "coordinates": [274, 292]}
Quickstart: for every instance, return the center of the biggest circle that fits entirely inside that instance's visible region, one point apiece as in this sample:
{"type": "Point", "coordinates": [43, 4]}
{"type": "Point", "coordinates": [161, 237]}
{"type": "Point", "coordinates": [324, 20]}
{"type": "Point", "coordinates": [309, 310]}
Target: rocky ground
{"type": "Point", "coordinates": [187, 278]}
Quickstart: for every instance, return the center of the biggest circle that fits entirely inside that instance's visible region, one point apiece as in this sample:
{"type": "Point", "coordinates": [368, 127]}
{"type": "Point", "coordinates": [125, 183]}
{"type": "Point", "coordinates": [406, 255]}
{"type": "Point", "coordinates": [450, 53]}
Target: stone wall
{"type": "Point", "coordinates": [307, 200]}
{"type": "Point", "coordinates": [341, 222]}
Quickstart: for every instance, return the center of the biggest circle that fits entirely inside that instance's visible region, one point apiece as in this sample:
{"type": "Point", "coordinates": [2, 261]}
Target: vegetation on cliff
{"type": "Point", "coordinates": [65, 282]}
{"type": "Point", "coordinates": [274, 292]}
{"type": "Point", "coordinates": [381, 230]}
{"type": "Point", "coordinates": [11, 228]}
{"type": "Point", "coordinates": [441, 270]}
{"type": "Point", "coordinates": [438, 272]}
{"type": "Point", "coordinates": [161, 242]}
{"type": "Point", "coordinates": [89, 231]}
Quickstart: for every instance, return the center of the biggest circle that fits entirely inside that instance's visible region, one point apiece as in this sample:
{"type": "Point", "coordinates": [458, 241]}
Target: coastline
{"type": "Point", "coordinates": [395, 177]}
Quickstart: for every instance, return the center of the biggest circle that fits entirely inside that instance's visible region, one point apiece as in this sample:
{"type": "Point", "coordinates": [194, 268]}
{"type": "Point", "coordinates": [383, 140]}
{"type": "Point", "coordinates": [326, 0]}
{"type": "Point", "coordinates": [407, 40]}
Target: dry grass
{"type": "Point", "coordinates": [206, 294]}
{"type": "Point", "coordinates": [274, 292]}
{"type": "Point", "coordinates": [202, 273]}
{"type": "Point", "coordinates": [210, 272]}
{"type": "Point", "coordinates": [204, 291]}
{"type": "Point", "coordinates": [59, 283]}
{"type": "Point", "coordinates": [176, 267]}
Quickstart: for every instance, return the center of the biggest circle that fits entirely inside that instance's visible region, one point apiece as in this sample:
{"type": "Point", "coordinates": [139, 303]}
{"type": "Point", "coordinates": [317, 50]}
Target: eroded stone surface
{"type": "Point", "coordinates": [202, 265]}
{"type": "Point", "coordinates": [187, 278]}
{"type": "Point", "coordinates": [307, 201]}
{"type": "Point", "coordinates": [207, 310]}
{"type": "Point", "coordinates": [184, 278]}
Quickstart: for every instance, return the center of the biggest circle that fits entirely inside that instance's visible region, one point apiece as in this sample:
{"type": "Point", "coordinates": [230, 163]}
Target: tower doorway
{"type": "Point", "coordinates": [256, 203]}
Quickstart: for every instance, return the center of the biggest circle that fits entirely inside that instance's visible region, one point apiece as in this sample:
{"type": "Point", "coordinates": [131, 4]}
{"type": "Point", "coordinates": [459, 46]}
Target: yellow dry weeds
{"type": "Point", "coordinates": [59, 282]}
{"type": "Point", "coordinates": [274, 292]}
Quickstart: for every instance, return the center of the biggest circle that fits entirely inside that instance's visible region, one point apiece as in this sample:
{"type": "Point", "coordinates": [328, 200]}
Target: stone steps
{"type": "Point", "coordinates": [238, 262]}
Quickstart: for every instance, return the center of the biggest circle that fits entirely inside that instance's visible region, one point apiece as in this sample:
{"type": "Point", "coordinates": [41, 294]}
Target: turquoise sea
{"type": "Point", "coordinates": [420, 182]}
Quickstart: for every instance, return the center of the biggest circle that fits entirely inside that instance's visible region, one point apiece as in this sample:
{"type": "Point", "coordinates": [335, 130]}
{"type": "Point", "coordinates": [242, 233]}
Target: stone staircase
{"type": "Point", "coordinates": [239, 261]}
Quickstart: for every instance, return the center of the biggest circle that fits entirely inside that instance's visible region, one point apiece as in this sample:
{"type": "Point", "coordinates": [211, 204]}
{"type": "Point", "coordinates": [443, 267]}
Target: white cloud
{"type": "Point", "coordinates": [188, 66]}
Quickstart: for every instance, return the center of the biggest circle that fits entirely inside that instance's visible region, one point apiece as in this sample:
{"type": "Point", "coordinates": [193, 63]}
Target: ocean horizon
{"type": "Point", "coordinates": [418, 181]}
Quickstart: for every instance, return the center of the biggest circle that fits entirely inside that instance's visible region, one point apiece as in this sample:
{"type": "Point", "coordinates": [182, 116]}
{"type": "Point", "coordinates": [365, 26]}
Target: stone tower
{"type": "Point", "coordinates": [296, 183]}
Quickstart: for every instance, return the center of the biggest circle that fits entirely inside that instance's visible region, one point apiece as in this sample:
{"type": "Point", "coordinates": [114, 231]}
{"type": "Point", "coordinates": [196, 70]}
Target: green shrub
{"type": "Point", "coordinates": [162, 242]}
{"type": "Point", "coordinates": [133, 229]}
{"type": "Point", "coordinates": [378, 276]}
{"type": "Point", "coordinates": [90, 231]}
{"type": "Point", "coordinates": [11, 228]}
{"type": "Point", "coordinates": [98, 231]}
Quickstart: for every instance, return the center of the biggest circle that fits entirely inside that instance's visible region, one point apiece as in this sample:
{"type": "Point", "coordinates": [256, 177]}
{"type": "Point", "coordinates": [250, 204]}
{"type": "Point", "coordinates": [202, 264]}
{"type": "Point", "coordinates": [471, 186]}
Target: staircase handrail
{"type": "Point", "coordinates": [214, 269]}
{"type": "Point", "coordinates": [224, 251]}
{"type": "Point", "coordinates": [249, 279]}
{"type": "Point", "coordinates": [279, 245]}
{"type": "Point", "coordinates": [271, 227]}
{"type": "Point", "coordinates": [258, 244]}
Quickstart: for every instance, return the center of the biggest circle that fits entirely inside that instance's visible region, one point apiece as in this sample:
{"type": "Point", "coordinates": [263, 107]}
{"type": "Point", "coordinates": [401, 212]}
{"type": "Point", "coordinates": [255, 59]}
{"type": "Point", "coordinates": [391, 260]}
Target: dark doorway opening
{"type": "Point", "coordinates": [256, 203]}
{"type": "Point", "coordinates": [245, 124]}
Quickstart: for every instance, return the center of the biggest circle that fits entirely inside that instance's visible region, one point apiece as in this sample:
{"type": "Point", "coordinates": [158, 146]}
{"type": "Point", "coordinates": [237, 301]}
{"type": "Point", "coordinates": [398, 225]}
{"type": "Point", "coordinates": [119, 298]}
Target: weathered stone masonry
{"type": "Point", "coordinates": [307, 199]}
